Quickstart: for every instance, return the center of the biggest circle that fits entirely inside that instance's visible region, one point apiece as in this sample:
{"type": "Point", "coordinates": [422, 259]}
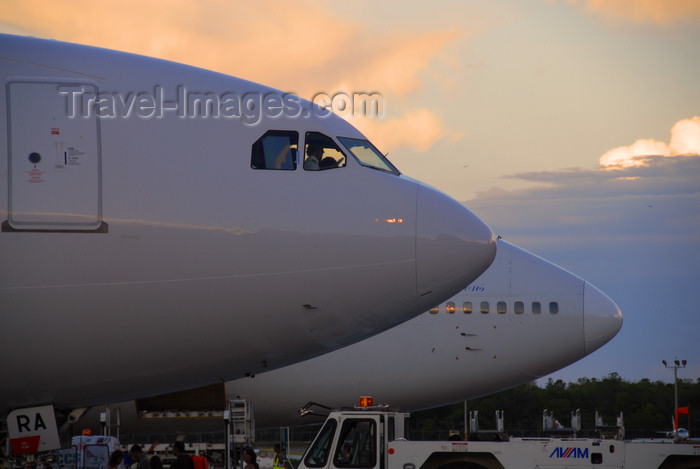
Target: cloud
{"type": "Point", "coordinates": [416, 129]}
{"type": "Point", "coordinates": [656, 176]}
{"type": "Point", "coordinates": [685, 140]}
{"type": "Point", "coordinates": [659, 199]}
{"type": "Point", "coordinates": [261, 40]}
{"type": "Point", "coordinates": [304, 47]}
{"type": "Point", "coordinates": [685, 137]}
{"type": "Point", "coordinates": [394, 62]}
{"type": "Point", "coordinates": [655, 12]}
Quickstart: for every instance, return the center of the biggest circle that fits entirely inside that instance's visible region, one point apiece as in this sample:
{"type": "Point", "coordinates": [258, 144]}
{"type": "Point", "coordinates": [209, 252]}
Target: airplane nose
{"type": "Point", "coordinates": [602, 318]}
{"type": "Point", "coordinates": [453, 247]}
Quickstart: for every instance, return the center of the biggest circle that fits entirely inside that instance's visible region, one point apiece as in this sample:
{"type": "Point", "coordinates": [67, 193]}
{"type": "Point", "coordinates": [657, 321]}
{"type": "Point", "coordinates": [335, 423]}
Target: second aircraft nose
{"type": "Point", "coordinates": [453, 247]}
{"type": "Point", "coordinates": [602, 318]}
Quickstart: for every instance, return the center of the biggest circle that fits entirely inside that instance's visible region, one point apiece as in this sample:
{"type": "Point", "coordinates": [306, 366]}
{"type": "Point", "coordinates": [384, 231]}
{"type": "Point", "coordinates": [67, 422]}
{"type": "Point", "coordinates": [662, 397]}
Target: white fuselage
{"type": "Point", "coordinates": [451, 355]}
{"type": "Point", "coordinates": [143, 254]}
{"type": "Point", "coordinates": [445, 355]}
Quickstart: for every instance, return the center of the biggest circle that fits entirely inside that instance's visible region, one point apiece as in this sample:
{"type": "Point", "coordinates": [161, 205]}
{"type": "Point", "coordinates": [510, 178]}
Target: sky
{"type": "Point", "coordinates": [571, 127]}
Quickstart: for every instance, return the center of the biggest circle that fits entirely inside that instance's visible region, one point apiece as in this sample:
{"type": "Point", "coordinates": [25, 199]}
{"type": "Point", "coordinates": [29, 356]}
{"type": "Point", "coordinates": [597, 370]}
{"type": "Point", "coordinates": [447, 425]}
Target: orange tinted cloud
{"type": "Point", "coordinates": [262, 41]}
{"type": "Point", "coordinates": [393, 62]}
{"type": "Point", "coordinates": [685, 140]}
{"type": "Point", "coordinates": [685, 137]}
{"type": "Point", "coordinates": [416, 129]}
{"type": "Point", "coordinates": [302, 46]}
{"type": "Point", "coordinates": [660, 12]}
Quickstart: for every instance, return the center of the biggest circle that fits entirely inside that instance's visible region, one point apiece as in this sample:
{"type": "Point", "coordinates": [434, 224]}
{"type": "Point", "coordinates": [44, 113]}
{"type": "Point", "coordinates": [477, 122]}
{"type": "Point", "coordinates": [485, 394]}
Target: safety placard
{"type": "Point", "coordinates": [33, 429]}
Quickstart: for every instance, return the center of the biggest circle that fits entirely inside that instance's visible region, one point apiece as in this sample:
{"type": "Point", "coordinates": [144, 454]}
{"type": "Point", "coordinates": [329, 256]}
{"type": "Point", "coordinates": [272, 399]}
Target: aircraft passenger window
{"type": "Point", "coordinates": [536, 307]}
{"type": "Point", "coordinates": [367, 154]}
{"type": "Point", "coordinates": [467, 307]}
{"type": "Point", "coordinates": [321, 153]}
{"type": "Point", "coordinates": [519, 307]}
{"type": "Point", "coordinates": [484, 307]}
{"type": "Point", "coordinates": [554, 307]}
{"type": "Point", "coordinates": [450, 307]}
{"type": "Point", "coordinates": [501, 307]}
{"type": "Point", "coordinates": [434, 310]}
{"type": "Point", "coordinates": [277, 149]}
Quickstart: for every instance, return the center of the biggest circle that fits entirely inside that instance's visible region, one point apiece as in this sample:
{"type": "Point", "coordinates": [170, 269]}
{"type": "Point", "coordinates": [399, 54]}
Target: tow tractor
{"type": "Point", "coordinates": [369, 436]}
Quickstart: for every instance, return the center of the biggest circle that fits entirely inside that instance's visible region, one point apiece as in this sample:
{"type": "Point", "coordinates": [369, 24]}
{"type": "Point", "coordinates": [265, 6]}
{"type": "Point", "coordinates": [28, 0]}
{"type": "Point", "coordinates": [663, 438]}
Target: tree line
{"type": "Point", "coordinates": [647, 407]}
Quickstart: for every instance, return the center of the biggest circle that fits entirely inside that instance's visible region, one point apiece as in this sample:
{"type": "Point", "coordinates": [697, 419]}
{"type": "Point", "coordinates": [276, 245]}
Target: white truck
{"type": "Point", "coordinates": [373, 437]}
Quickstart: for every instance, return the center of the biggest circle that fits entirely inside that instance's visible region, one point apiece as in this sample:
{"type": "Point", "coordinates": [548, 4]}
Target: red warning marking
{"type": "Point", "coordinates": [27, 444]}
{"type": "Point", "coordinates": [35, 175]}
{"type": "Point", "coordinates": [55, 131]}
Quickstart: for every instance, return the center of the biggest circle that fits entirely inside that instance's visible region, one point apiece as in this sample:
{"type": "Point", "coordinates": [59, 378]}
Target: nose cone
{"type": "Point", "coordinates": [601, 318]}
{"type": "Point", "coordinates": [453, 247]}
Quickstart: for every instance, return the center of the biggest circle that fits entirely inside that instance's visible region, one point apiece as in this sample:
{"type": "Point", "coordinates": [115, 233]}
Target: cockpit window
{"type": "Point", "coordinates": [321, 152]}
{"type": "Point", "coordinates": [367, 154]}
{"type": "Point", "coordinates": [276, 149]}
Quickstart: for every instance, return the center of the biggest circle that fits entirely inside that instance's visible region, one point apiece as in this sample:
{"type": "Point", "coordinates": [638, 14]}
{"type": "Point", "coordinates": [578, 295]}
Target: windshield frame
{"type": "Point", "coordinates": [349, 142]}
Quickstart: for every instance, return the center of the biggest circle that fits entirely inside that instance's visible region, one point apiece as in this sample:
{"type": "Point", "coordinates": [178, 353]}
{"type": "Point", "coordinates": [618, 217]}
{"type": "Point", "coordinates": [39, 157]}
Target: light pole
{"type": "Point", "coordinates": [676, 364]}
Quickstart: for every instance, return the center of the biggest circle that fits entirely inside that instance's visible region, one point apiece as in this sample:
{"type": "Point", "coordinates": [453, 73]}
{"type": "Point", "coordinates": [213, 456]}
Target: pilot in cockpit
{"type": "Point", "coordinates": [314, 155]}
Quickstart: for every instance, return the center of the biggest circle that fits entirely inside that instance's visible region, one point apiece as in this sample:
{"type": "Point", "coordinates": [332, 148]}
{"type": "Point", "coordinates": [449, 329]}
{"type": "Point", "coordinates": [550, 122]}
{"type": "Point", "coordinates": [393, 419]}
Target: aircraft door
{"type": "Point", "coordinates": [54, 166]}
